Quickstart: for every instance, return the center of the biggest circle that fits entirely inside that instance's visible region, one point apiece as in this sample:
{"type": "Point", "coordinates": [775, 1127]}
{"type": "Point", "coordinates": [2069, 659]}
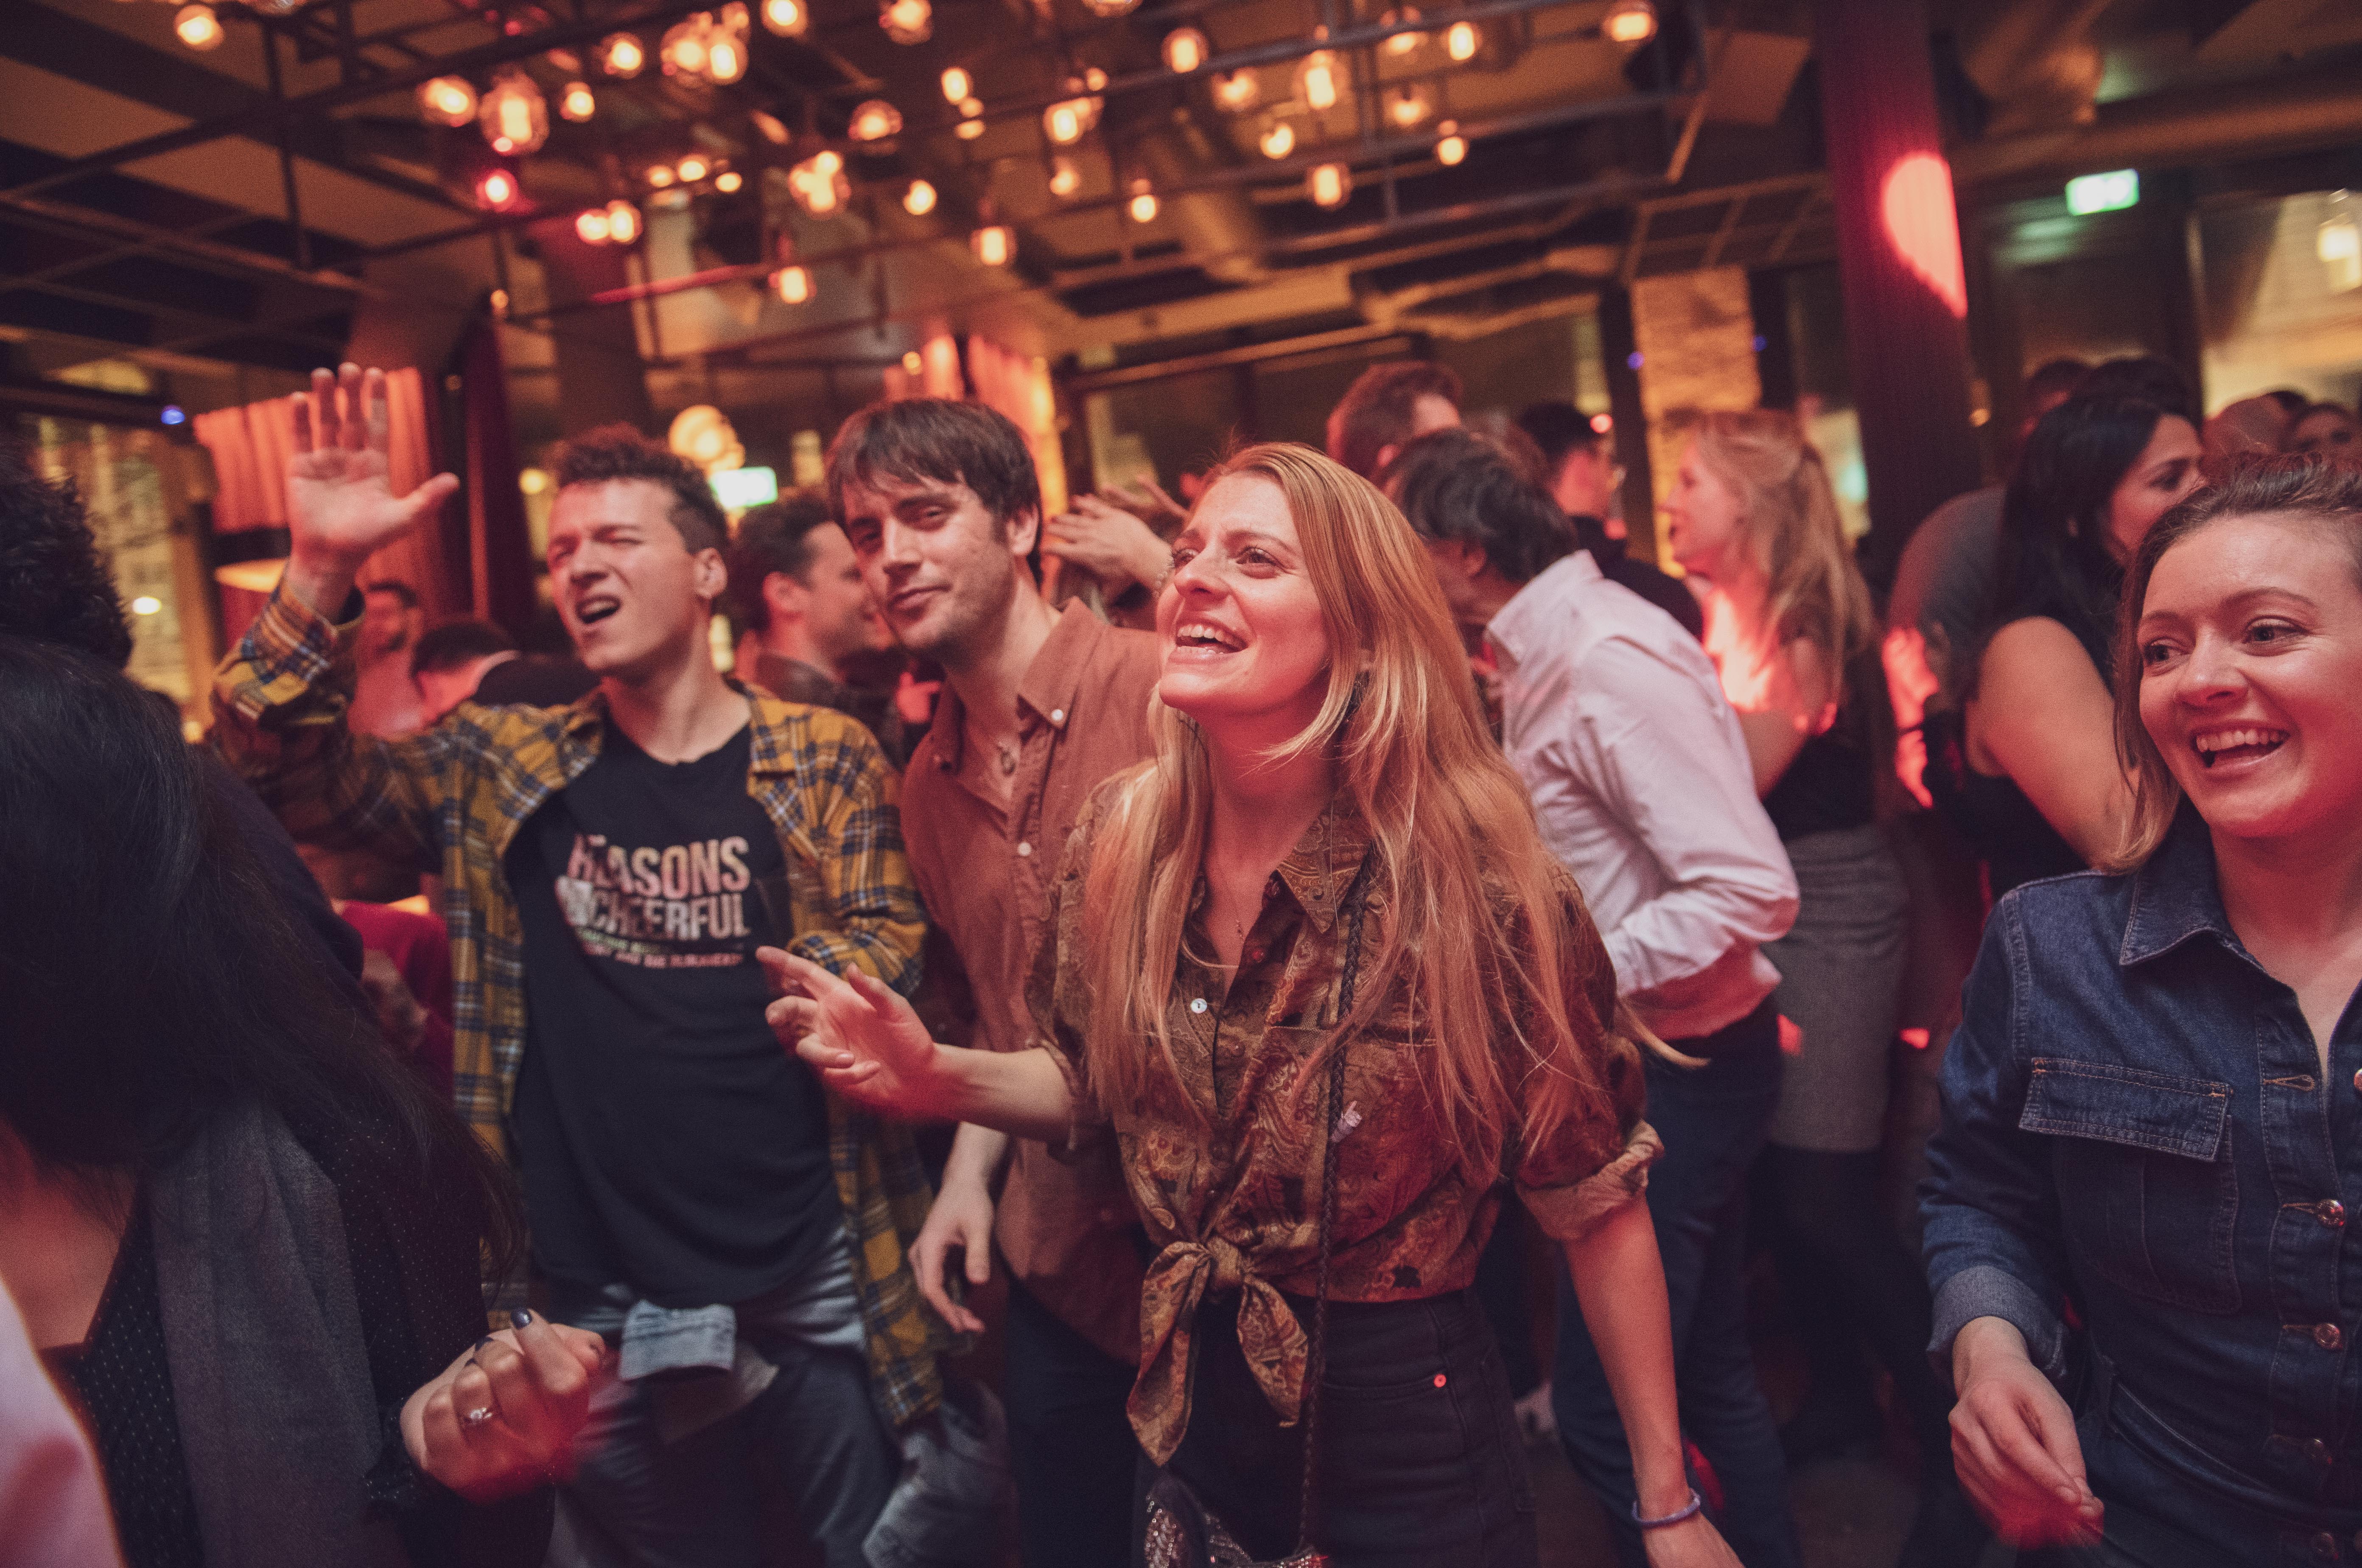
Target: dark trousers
{"type": "Point", "coordinates": [1070, 1442]}
{"type": "Point", "coordinates": [1420, 1465]}
{"type": "Point", "coordinates": [1713, 1121]}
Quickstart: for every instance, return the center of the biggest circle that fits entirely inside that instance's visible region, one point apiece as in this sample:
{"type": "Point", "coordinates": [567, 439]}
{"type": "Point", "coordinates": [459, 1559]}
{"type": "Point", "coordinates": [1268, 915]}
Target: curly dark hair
{"type": "Point", "coordinates": [775, 536]}
{"type": "Point", "coordinates": [1375, 411]}
{"type": "Point", "coordinates": [620, 452]}
{"type": "Point", "coordinates": [54, 585]}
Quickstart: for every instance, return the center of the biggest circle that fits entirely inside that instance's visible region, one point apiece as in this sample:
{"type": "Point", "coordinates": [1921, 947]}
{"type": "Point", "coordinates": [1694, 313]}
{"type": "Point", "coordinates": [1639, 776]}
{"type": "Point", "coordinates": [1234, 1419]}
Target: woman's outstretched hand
{"type": "Point", "coordinates": [860, 1036]}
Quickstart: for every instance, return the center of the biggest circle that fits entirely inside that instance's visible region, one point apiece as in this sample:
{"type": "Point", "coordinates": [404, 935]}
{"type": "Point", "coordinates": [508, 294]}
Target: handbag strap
{"type": "Point", "coordinates": [1315, 1362]}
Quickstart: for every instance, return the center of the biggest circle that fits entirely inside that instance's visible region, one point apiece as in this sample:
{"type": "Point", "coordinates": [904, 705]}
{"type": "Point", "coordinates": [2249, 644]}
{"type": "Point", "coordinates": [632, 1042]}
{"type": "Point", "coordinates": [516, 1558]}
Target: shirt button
{"type": "Point", "coordinates": [1057, 715]}
{"type": "Point", "coordinates": [1196, 1004]}
{"type": "Point", "coordinates": [2328, 1336]}
{"type": "Point", "coordinates": [2330, 1213]}
{"type": "Point", "coordinates": [1024, 851]}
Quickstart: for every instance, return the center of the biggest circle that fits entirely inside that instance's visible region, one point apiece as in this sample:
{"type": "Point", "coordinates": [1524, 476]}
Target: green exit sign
{"type": "Point", "coordinates": [2111, 191]}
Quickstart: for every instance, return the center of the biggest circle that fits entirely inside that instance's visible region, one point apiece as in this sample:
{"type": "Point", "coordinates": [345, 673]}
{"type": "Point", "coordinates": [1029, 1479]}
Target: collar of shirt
{"type": "Point", "coordinates": [582, 729]}
{"type": "Point", "coordinates": [1542, 607]}
{"type": "Point", "coordinates": [1047, 688]}
{"type": "Point", "coordinates": [2175, 897]}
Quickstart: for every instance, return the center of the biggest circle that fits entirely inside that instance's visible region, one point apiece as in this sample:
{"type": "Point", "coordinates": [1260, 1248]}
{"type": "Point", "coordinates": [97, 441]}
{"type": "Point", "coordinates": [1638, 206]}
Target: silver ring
{"type": "Point", "coordinates": [476, 1418]}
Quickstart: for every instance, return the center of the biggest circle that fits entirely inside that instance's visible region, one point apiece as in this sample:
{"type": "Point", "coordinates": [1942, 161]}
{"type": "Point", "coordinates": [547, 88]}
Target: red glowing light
{"type": "Point", "coordinates": [1602, 423]}
{"type": "Point", "coordinates": [1791, 1037]}
{"type": "Point", "coordinates": [1924, 228]}
{"type": "Point", "coordinates": [1916, 1038]}
{"type": "Point", "coordinates": [497, 188]}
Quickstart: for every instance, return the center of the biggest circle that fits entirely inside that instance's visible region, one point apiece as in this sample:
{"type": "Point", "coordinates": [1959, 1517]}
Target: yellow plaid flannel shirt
{"type": "Point", "coordinates": [450, 799]}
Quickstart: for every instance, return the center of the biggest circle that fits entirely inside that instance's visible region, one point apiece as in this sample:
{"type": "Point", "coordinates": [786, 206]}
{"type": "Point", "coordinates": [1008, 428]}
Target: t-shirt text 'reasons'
{"type": "Point", "coordinates": [629, 904]}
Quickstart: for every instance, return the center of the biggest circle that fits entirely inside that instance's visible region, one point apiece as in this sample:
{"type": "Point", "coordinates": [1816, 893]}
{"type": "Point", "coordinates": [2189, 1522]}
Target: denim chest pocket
{"type": "Point", "coordinates": [2147, 1187]}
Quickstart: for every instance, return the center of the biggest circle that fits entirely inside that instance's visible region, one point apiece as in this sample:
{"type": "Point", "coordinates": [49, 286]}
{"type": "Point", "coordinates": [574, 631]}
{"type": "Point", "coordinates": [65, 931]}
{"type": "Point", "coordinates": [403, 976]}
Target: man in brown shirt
{"type": "Point", "coordinates": [942, 506]}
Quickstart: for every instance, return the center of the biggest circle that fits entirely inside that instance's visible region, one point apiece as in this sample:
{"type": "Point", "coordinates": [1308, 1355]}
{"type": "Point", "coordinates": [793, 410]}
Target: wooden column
{"type": "Point", "coordinates": [1899, 257]}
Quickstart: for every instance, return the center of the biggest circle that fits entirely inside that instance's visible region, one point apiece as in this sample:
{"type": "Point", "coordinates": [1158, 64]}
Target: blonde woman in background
{"type": "Point", "coordinates": [1316, 969]}
{"type": "Point", "coordinates": [1792, 630]}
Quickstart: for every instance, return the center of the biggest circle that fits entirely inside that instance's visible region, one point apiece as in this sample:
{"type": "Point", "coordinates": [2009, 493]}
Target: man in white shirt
{"type": "Point", "coordinates": [1614, 719]}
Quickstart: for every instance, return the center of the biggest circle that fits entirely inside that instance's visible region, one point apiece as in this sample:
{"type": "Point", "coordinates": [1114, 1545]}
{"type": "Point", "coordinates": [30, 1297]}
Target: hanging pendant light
{"type": "Point", "coordinates": [788, 18]}
{"type": "Point", "coordinates": [1401, 44]}
{"type": "Point", "coordinates": [908, 21]}
{"type": "Point", "coordinates": [1236, 90]}
{"type": "Point", "coordinates": [958, 84]}
{"type": "Point", "coordinates": [1065, 177]}
{"type": "Point", "coordinates": [577, 104]}
{"type": "Point", "coordinates": [1328, 184]}
{"type": "Point", "coordinates": [623, 222]}
{"type": "Point", "coordinates": [682, 49]}
{"type": "Point", "coordinates": [994, 244]}
{"type": "Point", "coordinates": [792, 284]}
{"type": "Point", "coordinates": [1278, 139]}
{"type": "Point", "coordinates": [1629, 22]}
{"type": "Point", "coordinates": [622, 54]}
{"type": "Point", "coordinates": [447, 100]}
{"type": "Point", "coordinates": [513, 116]}
{"type": "Point", "coordinates": [1408, 103]}
{"type": "Point", "coordinates": [819, 184]}
{"type": "Point", "coordinates": [1141, 208]}
{"type": "Point", "coordinates": [1185, 50]}
{"type": "Point", "coordinates": [1451, 146]}
{"type": "Point", "coordinates": [873, 120]}
{"type": "Point", "coordinates": [1461, 40]}
{"type": "Point", "coordinates": [591, 227]}
{"type": "Point", "coordinates": [919, 199]}
{"type": "Point", "coordinates": [197, 26]}
{"type": "Point", "coordinates": [1320, 81]}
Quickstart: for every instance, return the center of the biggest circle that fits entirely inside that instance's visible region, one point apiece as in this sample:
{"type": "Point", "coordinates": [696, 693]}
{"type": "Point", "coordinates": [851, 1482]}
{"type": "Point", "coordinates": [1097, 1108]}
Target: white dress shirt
{"type": "Point", "coordinates": [1614, 719]}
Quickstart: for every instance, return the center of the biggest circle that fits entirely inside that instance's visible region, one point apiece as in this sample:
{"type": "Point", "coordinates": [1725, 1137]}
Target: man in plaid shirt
{"type": "Point", "coordinates": [609, 870]}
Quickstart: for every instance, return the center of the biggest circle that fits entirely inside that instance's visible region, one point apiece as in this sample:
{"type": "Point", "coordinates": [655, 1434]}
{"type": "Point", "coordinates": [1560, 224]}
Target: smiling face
{"type": "Point", "coordinates": [2159, 480]}
{"type": "Point", "coordinates": [2251, 652]}
{"type": "Point", "coordinates": [1246, 645]}
{"type": "Point", "coordinates": [632, 594]}
{"type": "Point", "coordinates": [1704, 515]}
{"type": "Point", "coordinates": [941, 570]}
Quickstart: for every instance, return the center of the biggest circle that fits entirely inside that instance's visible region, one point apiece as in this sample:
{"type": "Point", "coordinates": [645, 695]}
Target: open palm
{"type": "Point", "coordinates": [340, 503]}
{"type": "Point", "coordinates": [857, 1033]}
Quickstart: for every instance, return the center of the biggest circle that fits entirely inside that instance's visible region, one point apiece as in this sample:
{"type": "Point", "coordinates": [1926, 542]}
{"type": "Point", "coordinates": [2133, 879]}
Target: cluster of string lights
{"type": "Point", "coordinates": [513, 112]}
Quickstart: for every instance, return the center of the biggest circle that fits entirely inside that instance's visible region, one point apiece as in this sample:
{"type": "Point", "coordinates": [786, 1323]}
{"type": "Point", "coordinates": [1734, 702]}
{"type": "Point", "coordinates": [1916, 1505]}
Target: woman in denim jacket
{"type": "Point", "coordinates": [2153, 1109]}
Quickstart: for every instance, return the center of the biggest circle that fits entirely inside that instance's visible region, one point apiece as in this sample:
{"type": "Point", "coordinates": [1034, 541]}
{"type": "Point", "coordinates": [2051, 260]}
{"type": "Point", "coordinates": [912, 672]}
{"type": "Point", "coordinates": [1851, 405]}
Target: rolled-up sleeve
{"type": "Point", "coordinates": [1597, 1159]}
{"type": "Point", "coordinates": [1056, 993]}
{"type": "Point", "coordinates": [1994, 1242]}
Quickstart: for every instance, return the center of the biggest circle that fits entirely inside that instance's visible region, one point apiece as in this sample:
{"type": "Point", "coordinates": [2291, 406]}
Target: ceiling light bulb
{"type": "Point", "coordinates": [659, 175]}
{"type": "Point", "coordinates": [692, 168]}
{"type": "Point", "coordinates": [1629, 22]}
{"type": "Point", "coordinates": [576, 103]}
{"type": "Point", "coordinates": [1328, 184]}
{"type": "Point", "coordinates": [1143, 205]}
{"type": "Point", "coordinates": [623, 222]}
{"type": "Point", "coordinates": [620, 54]}
{"type": "Point", "coordinates": [908, 21]}
{"type": "Point", "coordinates": [1408, 103]}
{"type": "Point", "coordinates": [911, 363]}
{"type": "Point", "coordinates": [1451, 146]}
{"type": "Point", "coordinates": [513, 115]}
{"type": "Point", "coordinates": [993, 244]}
{"type": "Point", "coordinates": [1462, 41]}
{"type": "Point", "coordinates": [1065, 121]}
{"type": "Point", "coordinates": [447, 101]}
{"type": "Point", "coordinates": [1066, 179]}
{"type": "Point", "coordinates": [1096, 80]}
{"type": "Point", "coordinates": [1401, 44]}
{"type": "Point", "coordinates": [198, 27]}
{"type": "Point", "coordinates": [919, 199]}
{"type": "Point", "coordinates": [792, 284]}
{"type": "Point", "coordinates": [725, 59]}
{"type": "Point", "coordinates": [592, 226]}
{"type": "Point", "coordinates": [788, 18]}
{"type": "Point", "coordinates": [496, 188]}
{"type": "Point", "coordinates": [818, 183]}
{"type": "Point", "coordinates": [1237, 90]}
{"type": "Point", "coordinates": [875, 121]}
{"type": "Point", "coordinates": [968, 130]}
{"type": "Point", "coordinates": [728, 181]}
{"type": "Point", "coordinates": [683, 48]}
{"type": "Point", "coordinates": [1320, 81]}
{"type": "Point", "coordinates": [1278, 139]}
{"type": "Point", "coordinates": [958, 84]}
{"type": "Point", "coordinates": [1185, 50]}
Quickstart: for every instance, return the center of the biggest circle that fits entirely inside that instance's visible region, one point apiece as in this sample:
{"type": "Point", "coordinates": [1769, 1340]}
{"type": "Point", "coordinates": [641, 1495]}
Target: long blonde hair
{"type": "Point", "coordinates": [1453, 844]}
{"type": "Point", "coordinates": [1790, 526]}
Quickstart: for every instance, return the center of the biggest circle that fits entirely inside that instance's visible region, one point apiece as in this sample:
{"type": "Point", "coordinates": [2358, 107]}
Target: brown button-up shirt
{"type": "Point", "coordinates": [1067, 1228]}
{"type": "Point", "coordinates": [1225, 1162]}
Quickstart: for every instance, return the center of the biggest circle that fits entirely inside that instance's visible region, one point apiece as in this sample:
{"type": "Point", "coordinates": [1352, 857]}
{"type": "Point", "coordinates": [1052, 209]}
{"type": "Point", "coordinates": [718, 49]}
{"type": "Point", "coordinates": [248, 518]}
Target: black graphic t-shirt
{"type": "Point", "coordinates": [669, 1142]}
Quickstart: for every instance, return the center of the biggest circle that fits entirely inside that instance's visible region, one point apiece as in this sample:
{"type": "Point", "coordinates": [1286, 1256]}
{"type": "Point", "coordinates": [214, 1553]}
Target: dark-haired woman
{"type": "Point", "coordinates": [2024, 766]}
{"type": "Point", "coordinates": [2153, 1107]}
{"type": "Point", "coordinates": [246, 1239]}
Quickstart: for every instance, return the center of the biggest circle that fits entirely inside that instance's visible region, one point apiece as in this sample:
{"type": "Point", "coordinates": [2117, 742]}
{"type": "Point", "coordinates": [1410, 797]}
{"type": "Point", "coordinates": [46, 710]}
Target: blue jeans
{"type": "Point", "coordinates": [814, 1441]}
{"type": "Point", "coordinates": [1070, 1442]}
{"type": "Point", "coordinates": [1713, 1121]}
{"type": "Point", "coordinates": [1420, 1461]}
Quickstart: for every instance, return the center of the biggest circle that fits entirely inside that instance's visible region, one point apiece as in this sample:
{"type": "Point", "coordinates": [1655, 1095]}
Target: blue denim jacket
{"type": "Point", "coordinates": [2135, 1120]}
